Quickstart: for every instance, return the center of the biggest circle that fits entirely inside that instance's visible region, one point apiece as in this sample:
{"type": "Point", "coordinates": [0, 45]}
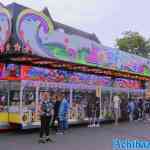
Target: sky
{"type": "Point", "coordinates": [108, 19]}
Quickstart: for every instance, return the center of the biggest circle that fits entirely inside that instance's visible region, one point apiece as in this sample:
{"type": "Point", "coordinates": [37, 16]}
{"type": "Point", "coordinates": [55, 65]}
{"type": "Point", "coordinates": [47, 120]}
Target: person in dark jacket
{"type": "Point", "coordinates": [56, 112]}
{"type": "Point", "coordinates": [97, 111]}
{"type": "Point", "coordinates": [140, 108]}
{"type": "Point", "coordinates": [91, 113]}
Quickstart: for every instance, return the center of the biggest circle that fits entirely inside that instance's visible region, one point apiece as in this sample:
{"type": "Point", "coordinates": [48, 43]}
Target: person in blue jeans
{"type": "Point", "coordinates": [63, 114]}
{"type": "Point", "coordinates": [131, 109]}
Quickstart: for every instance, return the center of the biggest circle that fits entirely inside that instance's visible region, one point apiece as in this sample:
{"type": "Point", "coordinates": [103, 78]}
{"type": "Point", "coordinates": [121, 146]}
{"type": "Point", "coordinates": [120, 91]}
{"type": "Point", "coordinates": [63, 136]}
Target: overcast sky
{"type": "Point", "coordinates": [107, 18]}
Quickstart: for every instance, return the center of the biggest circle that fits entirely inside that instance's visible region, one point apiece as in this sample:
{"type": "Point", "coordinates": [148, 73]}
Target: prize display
{"type": "Point", "coordinates": [14, 101]}
{"type": "Point", "coordinates": [3, 101]}
{"type": "Point", "coordinates": [80, 99]}
{"type": "Point", "coordinates": [29, 105]}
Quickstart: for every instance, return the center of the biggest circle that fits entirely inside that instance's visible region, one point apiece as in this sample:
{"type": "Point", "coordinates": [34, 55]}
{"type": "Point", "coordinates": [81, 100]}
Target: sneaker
{"type": "Point", "coordinates": [49, 140]}
{"type": "Point", "coordinates": [41, 140]}
{"type": "Point", "coordinates": [90, 126]}
{"type": "Point", "coordinates": [93, 125]}
{"type": "Point", "coordinates": [59, 133]}
{"type": "Point", "coordinates": [97, 125]}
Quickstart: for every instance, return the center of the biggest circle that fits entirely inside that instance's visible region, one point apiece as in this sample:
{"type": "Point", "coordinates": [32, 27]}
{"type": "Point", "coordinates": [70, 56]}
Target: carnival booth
{"type": "Point", "coordinates": [22, 86]}
{"type": "Point", "coordinates": [38, 53]}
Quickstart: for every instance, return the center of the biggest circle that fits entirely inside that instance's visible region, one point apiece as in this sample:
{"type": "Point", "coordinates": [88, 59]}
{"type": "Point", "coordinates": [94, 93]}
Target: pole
{"type": "Point", "coordinates": [8, 100]}
{"type": "Point", "coordinates": [36, 102]}
{"type": "Point", "coordinates": [21, 100]}
{"type": "Point", "coordinates": [71, 93]}
{"type": "Point", "coordinates": [128, 94]}
{"type": "Point", "coordinates": [110, 104]}
{"type": "Point", "coordinates": [100, 98]}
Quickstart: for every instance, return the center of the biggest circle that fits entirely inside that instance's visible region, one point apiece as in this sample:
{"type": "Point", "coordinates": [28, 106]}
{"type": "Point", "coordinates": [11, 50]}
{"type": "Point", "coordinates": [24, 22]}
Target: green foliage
{"type": "Point", "coordinates": [133, 42]}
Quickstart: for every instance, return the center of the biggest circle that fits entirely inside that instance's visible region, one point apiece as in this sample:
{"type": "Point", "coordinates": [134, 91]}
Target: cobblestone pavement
{"type": "Point", "coordinates": [76, 138]}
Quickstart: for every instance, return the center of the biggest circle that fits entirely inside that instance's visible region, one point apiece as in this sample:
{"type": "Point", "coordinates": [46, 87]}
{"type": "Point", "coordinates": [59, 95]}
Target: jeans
{"type": "Point", "coordinates": [64, 124]}
{"type": "Point", "coordinates": [45, 122]}
{"type": "Point", "coordinates": [117, 114]}
{"type": "Point", "coordinates": [131, 117]}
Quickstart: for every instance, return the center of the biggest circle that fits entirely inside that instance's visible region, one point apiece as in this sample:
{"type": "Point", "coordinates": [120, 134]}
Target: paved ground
{"type": "Point", "coordinates": [80, 138]}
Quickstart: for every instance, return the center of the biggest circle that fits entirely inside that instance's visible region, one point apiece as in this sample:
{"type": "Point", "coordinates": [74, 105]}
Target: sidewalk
{"type": "Point", "coordinates": [82, 138]}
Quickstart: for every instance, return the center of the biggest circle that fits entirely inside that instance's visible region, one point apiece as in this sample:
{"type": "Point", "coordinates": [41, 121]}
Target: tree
{"type": "Point", "coordinates": [133, 42]}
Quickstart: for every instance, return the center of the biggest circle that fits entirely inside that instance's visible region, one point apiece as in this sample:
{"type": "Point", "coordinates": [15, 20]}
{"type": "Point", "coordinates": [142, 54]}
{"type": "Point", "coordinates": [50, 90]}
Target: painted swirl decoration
{"type": "Point", "coordinates": [37, 33]}
{"type": "Point", "coordinates": [5, 27]}
{"type": "Point", "coordinates": [32, 28]}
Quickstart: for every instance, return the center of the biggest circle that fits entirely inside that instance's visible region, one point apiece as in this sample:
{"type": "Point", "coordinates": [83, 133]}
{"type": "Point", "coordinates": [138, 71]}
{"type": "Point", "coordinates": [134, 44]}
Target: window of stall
{"type": "Point", "coordinates": [29, 102]}
{"type": "Point", "coordinates": [106, 103]}
{"type": "Point", "coordinates": [3, 96]}
{"type": "Point", "coordinates": [123, 95]}
{"type": "Point", "coordinates": [136, 94]}
{"type": "Point", "coordinates": [14, 96]}
{"type": "Point", "coordinates": [14, 101]}
{"type": "Point", "coordinates": [80, 102]}
{"type": "Point", "coordinates": [3, 100]}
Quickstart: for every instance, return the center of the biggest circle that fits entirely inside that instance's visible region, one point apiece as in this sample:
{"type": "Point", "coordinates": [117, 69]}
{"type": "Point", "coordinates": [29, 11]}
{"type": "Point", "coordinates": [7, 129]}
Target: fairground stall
{"type": "Point", "coordinates": [21, 88]}
{"type": "Point", "coordinates": [38, 53]}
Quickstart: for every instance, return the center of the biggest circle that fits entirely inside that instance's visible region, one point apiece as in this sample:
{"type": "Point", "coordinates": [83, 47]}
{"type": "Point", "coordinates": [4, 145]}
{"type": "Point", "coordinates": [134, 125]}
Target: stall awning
{"type": "Point", "coordinates": [34, 60]}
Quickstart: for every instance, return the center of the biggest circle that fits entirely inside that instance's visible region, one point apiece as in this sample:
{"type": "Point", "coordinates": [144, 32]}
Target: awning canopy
{"type": "Point", "coordinates": [34, 60]}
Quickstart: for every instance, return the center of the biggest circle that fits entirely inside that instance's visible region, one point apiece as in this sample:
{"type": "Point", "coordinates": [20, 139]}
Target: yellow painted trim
{"type": "Point", "coordinates": [3, 116]}
{"type": "Point", "coordinates": [14, 118]}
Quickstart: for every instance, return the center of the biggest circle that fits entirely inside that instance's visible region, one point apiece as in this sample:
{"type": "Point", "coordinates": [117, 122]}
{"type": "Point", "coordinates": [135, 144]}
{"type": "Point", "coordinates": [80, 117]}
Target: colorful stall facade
{"type": "Point", "coordinates": [38, 53]}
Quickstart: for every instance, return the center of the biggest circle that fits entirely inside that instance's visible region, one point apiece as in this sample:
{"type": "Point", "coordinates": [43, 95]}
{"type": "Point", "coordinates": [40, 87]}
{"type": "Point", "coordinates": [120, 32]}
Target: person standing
{"type": "Point", "coordinates": [91, 113]}
{"type": "Point", "coordinates": [56, 113]}
{"type": "Point", "coordinates": [131, 109]}
{"type": "Point", "coordinates": [63, 114]}
{"type": "Point", "coordinates": [140, 108]}
{"type": "Point", "coordinates": [116, 102]}
{"type": "Point", "coordinates": [46, 114]}
{"type": "Point", "coordinates": [97, 109]}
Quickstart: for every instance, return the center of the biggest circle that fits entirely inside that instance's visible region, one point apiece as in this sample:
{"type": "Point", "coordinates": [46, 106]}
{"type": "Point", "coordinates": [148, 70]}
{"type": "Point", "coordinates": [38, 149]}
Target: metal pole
{"type": "Point", "coordinates": [8, 100]}
{"type": "Point", "coordinates": [71, 94]}
{"type": "Point", "coordinates": [36, 102]}
{"type": "Point", "coordinates": [21, 100]}
{"type": "Point", "coordinates": [128, 94]}
{"type": "Point", "coordinates": [110, 106]}
{"type": "Point", "coordinates": [100, 98]}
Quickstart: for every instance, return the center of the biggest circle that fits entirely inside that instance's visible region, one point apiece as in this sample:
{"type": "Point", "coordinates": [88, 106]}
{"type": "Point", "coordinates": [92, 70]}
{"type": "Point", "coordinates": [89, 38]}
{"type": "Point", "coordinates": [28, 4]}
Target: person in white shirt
{"type": "Point", "coordinates": [116, 102]}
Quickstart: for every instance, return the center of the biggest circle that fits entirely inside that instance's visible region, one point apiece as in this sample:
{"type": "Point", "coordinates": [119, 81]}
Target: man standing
{"type": "Point", "coordinates": [63, 114]}
{"type": "Point", "coordinates": [46, 113]}
{"type": "Point", "coordinates": [131, 109]}
{"type": "Point", "coordinates": [117, 102]}
{"type": "Point", "coordinates": [140, 108]}
{"type": "Point", "coordinates": [56, 113]}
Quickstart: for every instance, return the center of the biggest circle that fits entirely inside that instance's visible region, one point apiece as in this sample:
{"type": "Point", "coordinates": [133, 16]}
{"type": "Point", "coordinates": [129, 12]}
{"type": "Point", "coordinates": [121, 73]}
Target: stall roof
{"type": "Point", "coordinates": [22, 56]}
